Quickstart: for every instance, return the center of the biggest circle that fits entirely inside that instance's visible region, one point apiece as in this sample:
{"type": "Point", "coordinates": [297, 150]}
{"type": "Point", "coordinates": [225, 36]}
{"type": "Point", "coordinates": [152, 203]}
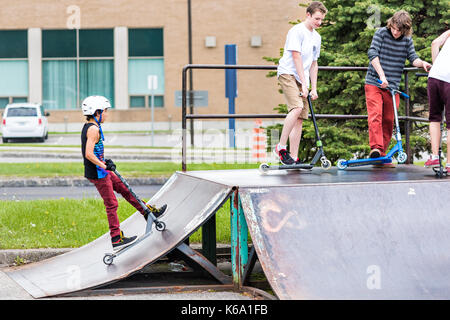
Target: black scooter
{"type": "Point", "coordinates": [159, 225]}
{"type": "Point", "coordinates": [320, 154]}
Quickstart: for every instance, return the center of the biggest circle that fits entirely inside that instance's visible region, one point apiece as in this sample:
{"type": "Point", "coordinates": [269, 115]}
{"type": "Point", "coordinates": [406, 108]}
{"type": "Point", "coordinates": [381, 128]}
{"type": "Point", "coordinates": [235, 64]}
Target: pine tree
{"type": "Point", "coordinates": [346, 36]}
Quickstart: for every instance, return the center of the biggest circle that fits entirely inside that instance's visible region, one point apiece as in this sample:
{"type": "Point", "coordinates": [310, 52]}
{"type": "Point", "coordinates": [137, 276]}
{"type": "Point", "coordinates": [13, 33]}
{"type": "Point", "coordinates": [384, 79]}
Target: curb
{"type": "Point", "coordinates": [72, 182]}
{"type": "Point", "coordinates": [10, 257]}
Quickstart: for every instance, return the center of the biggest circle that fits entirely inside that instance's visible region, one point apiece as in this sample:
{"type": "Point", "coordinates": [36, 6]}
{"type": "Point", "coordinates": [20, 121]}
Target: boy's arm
{"type": "Point", "coordinates": [437, 43]}
{"type": "Point", "coordinates": [419, 63]}
{"type": "Point", "coordinates": [298, 61]}
{"type": "Point", "coordinates": [414, 58]}
{"type": "Point", "coordinates": [92, 138]}
{"type": "Point", "coordinates": [313, 71]}
{"type": "Point", "coordinates": [377, 66]}
{"type": "Point", "coordinates": [373, 53]}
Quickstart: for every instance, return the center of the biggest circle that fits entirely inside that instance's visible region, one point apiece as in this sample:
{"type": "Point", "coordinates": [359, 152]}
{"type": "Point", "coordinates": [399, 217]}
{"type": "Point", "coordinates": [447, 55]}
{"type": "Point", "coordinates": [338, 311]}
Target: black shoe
{"type": "Point", "coordinates": [284, 156]}
{"type": "Point", "coordinates": [120, 242]}
{"type": "Point", "coordinates": [298, 161]}
{"type": "Point", "coordinates": [374, 153]}
{"type": "Point", "coordinates": [157, 212]}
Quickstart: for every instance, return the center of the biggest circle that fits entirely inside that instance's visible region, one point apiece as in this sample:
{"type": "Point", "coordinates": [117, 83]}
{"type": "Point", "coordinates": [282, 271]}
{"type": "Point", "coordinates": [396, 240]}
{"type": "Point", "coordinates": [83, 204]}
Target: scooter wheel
{"type": "Point", "coordinates": [342, 164]}
{"type": "Point", "coordinates": [108, 259]}
{"type": "Point", "coordinates": [326, 164]}
{"type": "Point", "coordinates": [264, 167]}
{"type": "Point", "coordinates": [160, 226]}
{"type": "Point", "coordinates": [401, 157]}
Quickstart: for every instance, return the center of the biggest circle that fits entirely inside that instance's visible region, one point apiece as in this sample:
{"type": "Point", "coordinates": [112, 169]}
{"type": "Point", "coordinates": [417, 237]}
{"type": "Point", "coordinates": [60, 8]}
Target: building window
{"type": "Point", "coordinates": [77, 64]}
{"type": "Point", "coordinates": [146, 67]}
{"type": "Point", "coordinates": [13, 66]}
{"type": "Point", "coordinates": [146, 101]}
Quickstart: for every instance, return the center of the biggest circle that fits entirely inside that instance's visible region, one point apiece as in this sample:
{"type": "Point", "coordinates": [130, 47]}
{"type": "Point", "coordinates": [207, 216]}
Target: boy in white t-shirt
{"type": "Point", "coordinates": [439, 96]}
{"type": "Point", "coordinates": [295, 70]}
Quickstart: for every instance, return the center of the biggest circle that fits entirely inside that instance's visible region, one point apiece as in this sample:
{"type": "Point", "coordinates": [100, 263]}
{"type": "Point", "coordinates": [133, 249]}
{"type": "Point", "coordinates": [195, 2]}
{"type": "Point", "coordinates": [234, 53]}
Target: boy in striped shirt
{"type": "Point", "coordinates": [391, 46]}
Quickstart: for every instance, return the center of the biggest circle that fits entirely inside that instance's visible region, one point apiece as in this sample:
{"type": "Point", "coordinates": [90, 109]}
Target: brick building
{"type": "Point", "coordinates": [57, 52]}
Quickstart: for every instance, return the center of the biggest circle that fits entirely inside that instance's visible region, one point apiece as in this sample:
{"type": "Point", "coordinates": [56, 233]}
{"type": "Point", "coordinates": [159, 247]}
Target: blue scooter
{"type": "Point", "coordinates": [398, 148]}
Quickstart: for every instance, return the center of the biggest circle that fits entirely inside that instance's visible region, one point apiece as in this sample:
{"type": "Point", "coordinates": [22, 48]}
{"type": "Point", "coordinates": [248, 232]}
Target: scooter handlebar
{"type": "Point", "coordinates": [404, 95]}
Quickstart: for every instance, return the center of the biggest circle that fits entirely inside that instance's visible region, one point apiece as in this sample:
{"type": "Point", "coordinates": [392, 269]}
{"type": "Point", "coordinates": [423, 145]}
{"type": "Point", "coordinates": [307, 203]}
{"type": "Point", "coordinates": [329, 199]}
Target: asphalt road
{"type": "Point", "coordinates": [32, 193]}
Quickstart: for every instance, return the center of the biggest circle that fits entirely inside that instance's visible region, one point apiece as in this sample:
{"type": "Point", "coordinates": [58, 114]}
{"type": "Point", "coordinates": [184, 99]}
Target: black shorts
{"type": "Point", "coordinates": [438, 100]}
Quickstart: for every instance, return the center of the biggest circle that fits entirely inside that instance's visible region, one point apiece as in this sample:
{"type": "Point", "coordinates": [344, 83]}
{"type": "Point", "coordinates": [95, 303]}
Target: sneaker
{"type": "Point", "coordinates": [298, 161]}
{"type": "Point", "coordinates": [157, 212]}
{"type": "Point", "coordinates": [120, 242]}
{"type": "Point", "coordinates": [432, 162]}
{"type": "Point", "coordinates": [284, 156]}
{"type": "Point", "coordinates": [374, 153]}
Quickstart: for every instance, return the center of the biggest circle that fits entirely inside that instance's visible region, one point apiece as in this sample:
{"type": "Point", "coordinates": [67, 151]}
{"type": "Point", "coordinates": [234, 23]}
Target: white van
{"type": "Point", "coordinates": [24, 120]}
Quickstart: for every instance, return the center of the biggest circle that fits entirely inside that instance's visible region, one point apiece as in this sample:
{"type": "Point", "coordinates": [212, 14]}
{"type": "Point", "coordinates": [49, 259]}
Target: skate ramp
{"type": "Point", "coordinates": [353, 241]}
{"type": "Point", "coordinates": [190, 203]}
{"type": "Point", "coordinates": [360, 233]}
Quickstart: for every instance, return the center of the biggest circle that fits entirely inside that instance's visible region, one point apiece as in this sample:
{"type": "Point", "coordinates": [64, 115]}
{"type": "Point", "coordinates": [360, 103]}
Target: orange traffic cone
{"type": "Point", "coordinates": [259, 143]}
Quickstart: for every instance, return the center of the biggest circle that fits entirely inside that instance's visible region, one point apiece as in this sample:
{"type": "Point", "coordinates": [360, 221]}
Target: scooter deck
{"type": "Point", "coordinates": [109, 257]}
{"type": "Point", "coordinates": [305, 166]}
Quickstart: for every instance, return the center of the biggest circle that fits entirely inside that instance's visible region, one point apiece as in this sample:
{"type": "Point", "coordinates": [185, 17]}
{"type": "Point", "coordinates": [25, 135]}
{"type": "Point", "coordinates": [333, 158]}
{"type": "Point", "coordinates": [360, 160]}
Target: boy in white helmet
{"type": "Point", "coordinates": [98, 170]}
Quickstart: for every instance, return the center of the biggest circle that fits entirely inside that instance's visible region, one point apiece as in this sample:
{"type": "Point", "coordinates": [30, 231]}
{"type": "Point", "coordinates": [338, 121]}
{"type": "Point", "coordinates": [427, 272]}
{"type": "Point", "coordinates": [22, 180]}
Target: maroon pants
{"type": "Point", "coordinates": [380, 112]}
{"type": "Point", "coordinates": [106, 187]}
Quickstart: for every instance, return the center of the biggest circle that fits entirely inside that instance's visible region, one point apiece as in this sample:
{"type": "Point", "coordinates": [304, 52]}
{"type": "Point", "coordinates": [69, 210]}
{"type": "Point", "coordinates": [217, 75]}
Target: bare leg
{"type": "Point", "coordinates": [294, 138]}
{"type": "Point", "coordinates": [435, 134]}
{"type": "Point", "coordinates": [289, 123]}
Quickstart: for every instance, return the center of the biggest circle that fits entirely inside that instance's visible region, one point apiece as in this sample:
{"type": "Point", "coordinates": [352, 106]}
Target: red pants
{"type": "Point", "coordinates": [380, 111]}
{"type": "Point", "coordinates": [106, 187]}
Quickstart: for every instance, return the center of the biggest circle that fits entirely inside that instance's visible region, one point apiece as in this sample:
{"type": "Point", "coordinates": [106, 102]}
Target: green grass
{"type": "Point", "coordinates": [127, 169]}
{"type": "Point", "coordinates": [68, 223]}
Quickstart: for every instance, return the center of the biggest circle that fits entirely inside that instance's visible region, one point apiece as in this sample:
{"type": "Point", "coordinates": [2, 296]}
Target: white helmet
{"type": "Point", "coordinates": [94, 103]}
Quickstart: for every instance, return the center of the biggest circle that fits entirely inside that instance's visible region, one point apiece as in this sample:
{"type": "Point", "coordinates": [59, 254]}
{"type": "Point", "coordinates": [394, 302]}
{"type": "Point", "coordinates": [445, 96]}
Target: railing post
{"type": "Point", "coordinates": [239, 240]}
{"type": "Point", "coordinates": [410, 159]}
{"type": "Point", "coordinates": [183, 118]}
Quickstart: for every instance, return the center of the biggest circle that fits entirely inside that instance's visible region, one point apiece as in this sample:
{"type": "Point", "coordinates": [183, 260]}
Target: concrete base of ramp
{"type": "Point", "coordinates": [363, 233]}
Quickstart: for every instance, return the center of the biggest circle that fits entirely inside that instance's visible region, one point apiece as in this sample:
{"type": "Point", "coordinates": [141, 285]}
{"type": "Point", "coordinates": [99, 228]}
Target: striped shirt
{"type": "Point", "coordinates": [392, 54]}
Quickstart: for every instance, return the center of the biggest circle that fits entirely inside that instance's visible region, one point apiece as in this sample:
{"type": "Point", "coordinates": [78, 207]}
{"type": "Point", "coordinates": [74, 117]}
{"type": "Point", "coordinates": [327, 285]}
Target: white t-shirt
{"type": "Point", "coordinates": [300, 39]}
{"type": "Point", "coordinates": [441, 66]}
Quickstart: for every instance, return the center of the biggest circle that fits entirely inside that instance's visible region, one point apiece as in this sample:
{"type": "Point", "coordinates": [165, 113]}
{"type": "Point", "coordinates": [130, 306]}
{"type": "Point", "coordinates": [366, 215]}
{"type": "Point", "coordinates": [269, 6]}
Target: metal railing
{"type": "Point", "coordinates": [407, 118]}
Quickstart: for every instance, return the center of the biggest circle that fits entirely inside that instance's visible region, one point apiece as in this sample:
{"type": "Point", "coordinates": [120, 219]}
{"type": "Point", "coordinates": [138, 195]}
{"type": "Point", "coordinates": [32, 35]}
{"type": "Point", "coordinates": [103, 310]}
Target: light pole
{"type": "Point", "coordinates": [191, 85]}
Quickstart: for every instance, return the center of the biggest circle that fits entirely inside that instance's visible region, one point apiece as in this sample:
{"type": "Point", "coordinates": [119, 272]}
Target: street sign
{"type": "Point", "coordinates": [200, 98]}
{"type": "Point", "coordinates": [152, 82]}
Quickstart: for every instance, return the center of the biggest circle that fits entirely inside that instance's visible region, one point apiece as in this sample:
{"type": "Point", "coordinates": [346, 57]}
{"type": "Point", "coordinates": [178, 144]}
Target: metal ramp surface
{"type": "Point", "coordinates": [363, 233]}
{"type": "Point", "coordinates": [191, 202]}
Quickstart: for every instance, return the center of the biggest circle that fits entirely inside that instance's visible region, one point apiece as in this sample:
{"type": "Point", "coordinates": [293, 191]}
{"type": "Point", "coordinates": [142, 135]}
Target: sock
{"type": "Point", "coordinates": [434, 157]}
{"type": "Point", "coordinates": [280, 147]}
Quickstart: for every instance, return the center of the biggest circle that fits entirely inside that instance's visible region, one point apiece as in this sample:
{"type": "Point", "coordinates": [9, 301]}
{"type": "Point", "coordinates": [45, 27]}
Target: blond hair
{"type": "Point", "coordinates": [402, 21]}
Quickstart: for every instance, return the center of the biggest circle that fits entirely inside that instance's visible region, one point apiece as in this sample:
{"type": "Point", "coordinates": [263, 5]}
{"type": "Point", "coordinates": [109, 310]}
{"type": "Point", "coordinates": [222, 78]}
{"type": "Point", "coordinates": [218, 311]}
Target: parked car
{"type": "Point", "coordinates": [24, 120]}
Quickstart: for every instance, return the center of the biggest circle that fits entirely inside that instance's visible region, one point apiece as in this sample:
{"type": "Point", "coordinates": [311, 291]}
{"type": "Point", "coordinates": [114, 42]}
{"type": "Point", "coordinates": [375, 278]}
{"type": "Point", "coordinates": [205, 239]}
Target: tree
{"type": "Point", "coordinates": [346, 36]}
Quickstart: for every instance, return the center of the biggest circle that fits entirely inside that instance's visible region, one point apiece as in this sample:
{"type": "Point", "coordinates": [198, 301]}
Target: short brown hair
{"type": "Point", "coordinates": [316, 6]}
{"type": "Point", "coordinates": [401, 20]}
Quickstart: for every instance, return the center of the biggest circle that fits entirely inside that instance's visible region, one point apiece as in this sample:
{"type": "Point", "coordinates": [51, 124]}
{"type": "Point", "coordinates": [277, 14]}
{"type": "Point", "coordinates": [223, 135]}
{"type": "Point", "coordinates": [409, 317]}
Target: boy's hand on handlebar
{"type": "Point", "coordinates": [384, 83]}
{"type": "Point", "coordinates": [110, 165]}
{"type": "Point", "coordinates": [305, 92]}
{"type": "Point", "coordinates": [313, 94]}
